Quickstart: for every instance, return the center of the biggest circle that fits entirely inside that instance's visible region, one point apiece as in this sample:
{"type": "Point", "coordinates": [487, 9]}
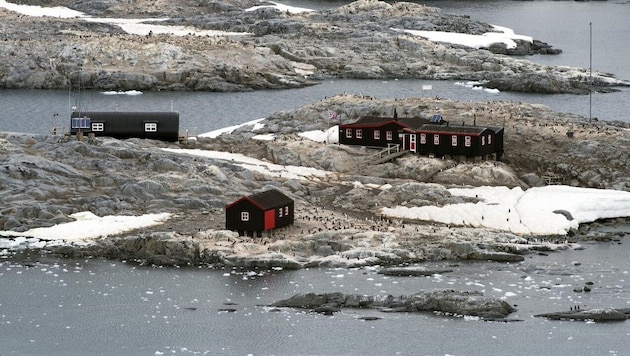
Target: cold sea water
{"type": "Point", "coordinates": [96, 307]}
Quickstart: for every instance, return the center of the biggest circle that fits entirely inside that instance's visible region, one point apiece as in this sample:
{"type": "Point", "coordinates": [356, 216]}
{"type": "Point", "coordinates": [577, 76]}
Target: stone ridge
{"type": "Point", "coordinates": [284, 50]}
{"type": "Point", "coordinates": [448, 302]}
{"type": "Point", "coordinates": [46, 179]}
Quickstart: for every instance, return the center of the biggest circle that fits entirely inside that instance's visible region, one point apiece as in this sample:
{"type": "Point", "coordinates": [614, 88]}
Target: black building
{"type": "Point", "coordinates": [253, 214]}
{"type": "Point", "coordinates": [374, 131]}
{"type": "Point", "coordinates": [451, 141]}
{"type": "Point", "coordinates": [118, 124]}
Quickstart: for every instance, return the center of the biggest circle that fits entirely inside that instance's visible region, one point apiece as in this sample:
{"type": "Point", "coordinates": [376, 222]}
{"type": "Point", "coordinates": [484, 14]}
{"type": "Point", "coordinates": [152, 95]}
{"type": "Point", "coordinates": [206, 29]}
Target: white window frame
{"type": "Point", "coordinates": [244, 215]}
{"type": "Point", "coordinates": [389, 135]}
{"type": "Point", "coordinates": [377, 134]}
{"type": "Point", "coordinates": [280, 212]}
{"type": "Point", "coordinates": [483, 140]}
{"type": "Point", "coordinates": [489, 139]}
{"type": "Point", "coordinates": [359, 133]}
{"type": "Point", "coordinates": [150, 127]}
{"type": "Point", "coordinates": [348, 133]}
{"type": "Point", "coordinates": [467, 141]}
{"type": "Point", "coordinates": [423, 139]}
{"type": "Point", "coordinates": [454, 140]}
{"type": "Point", "coordinates": [436, 139]}
{"type": "Point", "coordinates": [98, 126]}
{"type": "Point", "coordinates": [286, 211]}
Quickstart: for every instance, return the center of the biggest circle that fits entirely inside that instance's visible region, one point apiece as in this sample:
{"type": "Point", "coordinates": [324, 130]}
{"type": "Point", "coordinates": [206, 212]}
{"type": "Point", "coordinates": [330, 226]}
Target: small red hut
{"type": "Point", "coordinates": [253, 214]}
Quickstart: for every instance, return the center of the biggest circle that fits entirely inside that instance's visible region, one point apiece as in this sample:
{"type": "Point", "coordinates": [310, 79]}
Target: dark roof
{"type": "Point", "coordinates": [466, 129]}
{"type": "Point", "coordinates": [413, 121]}
{"type": "Point", "coordinates": [114, 115]}
{"type": "Point", "coordinates": [496, 129]}
{"type": "Point", "coordinates": [376, 121]}
{"type": "Point", "coordinates": [266, 200]}
{"type": "Point", "coordinates": [373, 121]}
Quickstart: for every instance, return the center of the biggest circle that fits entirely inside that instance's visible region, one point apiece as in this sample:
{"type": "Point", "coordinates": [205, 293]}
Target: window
{"type": "Point", "coordinates": [98, 126]}
{"type": "Point", "coordinates": [483, 140]}
{"type": "Point", "coordinates": [423, 139]}
{"type": "Point", "coordinates": [377, 134]}
{"type": "Point", "coordinates": [454, 140]}
{"type": "Point", "coordinates": [286, 211]}
{"type": "Point", "coordinates": [80, 122]}
{"type": "Point", "coordinates": [359, 133]}
{"type": "Point", "coordinates": [244, 215]}
{"type": "Point", "coordinates": [436, 139]}
{"type": "Point", "coordinates": [489, 139]}
{"type": "Point", "coordinates": [389, 135]}
{"type": "Point", "coordinates": [467, 141]}
{"type": "Point", "coordinates": [348, 133]}
{"type": "Point", "coordinates": [280, 212]}
{"type": "Point", "coordinates": [150, 127]}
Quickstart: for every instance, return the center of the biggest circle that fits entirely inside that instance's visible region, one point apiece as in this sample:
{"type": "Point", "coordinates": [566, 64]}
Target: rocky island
{"type": "Point", "coordinates": [255, 46]}
{"type": "Point", "coordinates": [47, 179]}
{"type": "Point", "coordinates": [239, 45]}
{"type": "Point", "coordinates": [52, 180]}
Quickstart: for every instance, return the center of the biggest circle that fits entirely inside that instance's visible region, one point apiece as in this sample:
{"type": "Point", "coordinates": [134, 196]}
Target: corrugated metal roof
{"type": "Point", "coordinates": [372, 121]}
{"type": "Point", "coordinates": [142, 115]}
{"type": "Point", "coordinates": [475, 130]}
{"type": "Point", "coordinates": [376, 121]}
{"type": "Point", "coordinates": [269, 199]}
{"type": "Point", "coordinates": [412, 122]}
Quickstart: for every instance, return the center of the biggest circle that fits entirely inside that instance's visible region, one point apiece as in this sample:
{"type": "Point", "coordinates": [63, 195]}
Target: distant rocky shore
{"type": "Point", "coordinates": [45, 179]}
{"type": "Point", "coordinates": [275, 49]}
{"type": "Point", "coordinates": [447, 302]}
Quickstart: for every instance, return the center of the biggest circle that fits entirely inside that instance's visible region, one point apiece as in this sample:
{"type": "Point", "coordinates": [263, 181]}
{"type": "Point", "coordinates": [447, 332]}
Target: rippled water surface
{"type": "Point", "coordinates": [81, 307]}
{"type": "Point", "coordinates": [50, 306]}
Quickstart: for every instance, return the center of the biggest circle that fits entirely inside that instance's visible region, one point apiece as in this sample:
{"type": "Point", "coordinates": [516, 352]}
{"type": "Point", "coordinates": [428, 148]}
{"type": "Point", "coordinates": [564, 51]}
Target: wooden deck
{"type": "Point", "coordinates": [385, 155]}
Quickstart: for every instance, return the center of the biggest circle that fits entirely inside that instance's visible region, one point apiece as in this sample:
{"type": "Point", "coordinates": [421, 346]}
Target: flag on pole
{"type": "Point", "coordinates": [332, 116]}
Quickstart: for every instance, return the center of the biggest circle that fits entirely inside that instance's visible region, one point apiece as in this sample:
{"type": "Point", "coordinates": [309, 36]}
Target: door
{"type": "Point", "coordinates": [270, 219]}
{"type": "Point", "coordinates": [412, 142]}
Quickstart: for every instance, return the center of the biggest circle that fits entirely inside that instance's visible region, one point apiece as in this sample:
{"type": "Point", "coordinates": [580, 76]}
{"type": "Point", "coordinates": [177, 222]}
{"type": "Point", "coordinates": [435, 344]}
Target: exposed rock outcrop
{"type": "Point", "coordinates": [449, 302]}
{"type": "Point", "coordinates": [597, 315]}
{"type": "Point", "coordinates": [338, 222]}
{"type": "Point", "coordinates": [263, 49]}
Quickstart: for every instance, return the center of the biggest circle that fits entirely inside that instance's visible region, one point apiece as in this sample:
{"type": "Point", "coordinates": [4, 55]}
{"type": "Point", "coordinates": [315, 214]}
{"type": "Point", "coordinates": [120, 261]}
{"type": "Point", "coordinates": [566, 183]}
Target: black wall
{"type": "Point", "coordinates": [132, 124]}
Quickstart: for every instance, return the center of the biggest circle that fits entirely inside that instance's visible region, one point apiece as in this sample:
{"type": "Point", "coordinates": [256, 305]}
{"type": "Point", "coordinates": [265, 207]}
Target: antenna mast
{"type": "Point", "coordinates": [590, 72]}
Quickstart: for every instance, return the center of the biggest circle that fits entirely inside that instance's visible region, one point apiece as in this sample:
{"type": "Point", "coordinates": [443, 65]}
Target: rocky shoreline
{"type": "Point", "coordinates": [337, 222]}
{"type": "Point", "coordinates": [447, 302]}
{"type": "Point", "coordinates": [266, 49]}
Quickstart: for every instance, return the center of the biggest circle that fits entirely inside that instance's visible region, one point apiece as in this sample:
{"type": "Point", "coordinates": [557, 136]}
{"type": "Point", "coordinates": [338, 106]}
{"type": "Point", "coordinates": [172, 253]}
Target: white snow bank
{"type": "Point", "coordinates": [226, 130]}
{"type": "Point", "coordinates": [281, 7]}
{"type": "Point", "coordinates": [534, 211]}
{"type": "Point", "coordinates": [39, 11]}
{"type": "Point", "coordinates": [131, 26]}
{"type": "Point", "coordinates": [503, 35]}
{"type": "Point", "coordinates": [256, 165]}
{"type": "Point", "coordinates": [89, 226]}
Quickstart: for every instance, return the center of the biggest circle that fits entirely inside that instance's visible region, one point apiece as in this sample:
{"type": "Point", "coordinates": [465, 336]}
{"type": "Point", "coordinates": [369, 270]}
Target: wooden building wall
{"type": "Point", "coordinates": [371, 136]}
{"type": "Point", "coordinates": [152, 125]}
{"type": "Point", "coordinates": [483, 143]}
{"type": "Point", "coordinates": [261, 216]}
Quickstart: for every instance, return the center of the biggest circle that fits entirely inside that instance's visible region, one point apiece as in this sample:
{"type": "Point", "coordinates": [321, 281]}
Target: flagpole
{"type": "Point", "coordinates": [328, 131]}
{"type": "Point", "coordinates": [331, 116]}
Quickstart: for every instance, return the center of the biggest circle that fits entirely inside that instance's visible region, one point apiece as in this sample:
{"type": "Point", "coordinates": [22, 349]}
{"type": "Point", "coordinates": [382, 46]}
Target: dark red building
{"type": "Point", "coordinates": [376, 131]}
{"type": "Point", "coordinates": [453, 141]}
{"type": "Point", "coordinates": [433, 137]}
{"type": "Point", "coordinates": [253, 214]}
